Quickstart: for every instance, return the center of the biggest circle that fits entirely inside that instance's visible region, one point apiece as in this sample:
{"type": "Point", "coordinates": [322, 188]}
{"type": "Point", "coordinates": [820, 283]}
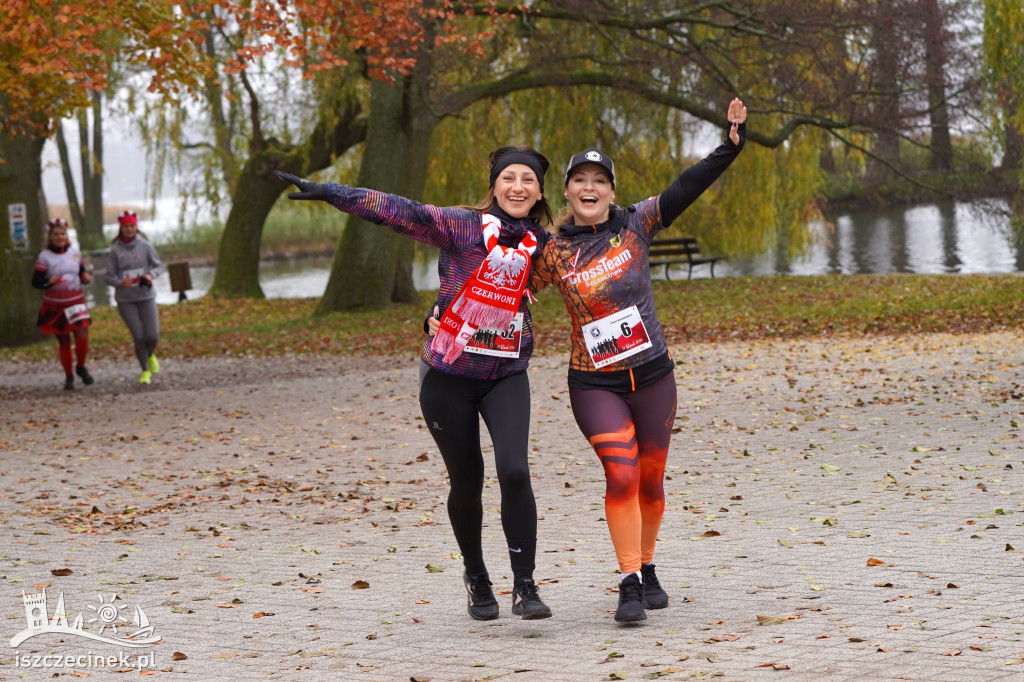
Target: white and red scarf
{"type": "Point", "coordinates": [491, 295]}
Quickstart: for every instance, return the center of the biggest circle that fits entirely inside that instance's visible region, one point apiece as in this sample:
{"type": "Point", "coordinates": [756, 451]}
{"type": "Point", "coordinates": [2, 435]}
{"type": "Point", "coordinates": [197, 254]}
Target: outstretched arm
{"type": "Point", "coordinates": [678, 196]}
{"type": "Point", "coordinates": [452, 229]}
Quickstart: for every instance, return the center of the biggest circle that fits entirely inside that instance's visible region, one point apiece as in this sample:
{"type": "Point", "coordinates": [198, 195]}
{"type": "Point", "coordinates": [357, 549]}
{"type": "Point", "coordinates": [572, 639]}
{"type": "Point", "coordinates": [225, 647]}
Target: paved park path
{"type": "Point", "coordinates": [838, 509]}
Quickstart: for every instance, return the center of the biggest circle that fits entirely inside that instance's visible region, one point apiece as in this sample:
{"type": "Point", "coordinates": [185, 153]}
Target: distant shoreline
{"type": "Point", "coordinates": [199, 260]}
{"type": "Point", "coordinates": [97, 257]}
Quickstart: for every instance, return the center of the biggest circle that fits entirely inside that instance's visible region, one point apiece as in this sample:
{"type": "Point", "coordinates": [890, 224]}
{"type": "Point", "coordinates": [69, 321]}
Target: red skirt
{"type": "Point", "coordinates": [54, 318]}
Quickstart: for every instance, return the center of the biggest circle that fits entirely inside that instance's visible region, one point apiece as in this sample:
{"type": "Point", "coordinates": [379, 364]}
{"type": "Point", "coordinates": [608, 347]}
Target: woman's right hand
{"type": "Point", "coordinates": [126, 282]}
{"type": "Point", "coordinates": [310, 190]}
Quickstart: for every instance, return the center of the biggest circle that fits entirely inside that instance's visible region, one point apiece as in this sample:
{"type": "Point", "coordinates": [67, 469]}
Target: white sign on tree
{"type": "Point", "coordinates": [17, 217]}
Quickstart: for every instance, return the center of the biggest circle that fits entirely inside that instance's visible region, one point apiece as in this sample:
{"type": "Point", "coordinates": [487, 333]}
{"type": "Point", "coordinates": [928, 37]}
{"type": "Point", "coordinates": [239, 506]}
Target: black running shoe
{"type": "Point", "coordinates": [526, 602]}
{"type": "Point", "coordinates": [653, 596]}
{"type": "Point", "coordinates": [631, 607]}
{"type": "Point", "coordinates": [482, 604]}
{"type": "Point", "coordinates": [83, 373]}
{"type": "Point", "coordinates": [69, 384]}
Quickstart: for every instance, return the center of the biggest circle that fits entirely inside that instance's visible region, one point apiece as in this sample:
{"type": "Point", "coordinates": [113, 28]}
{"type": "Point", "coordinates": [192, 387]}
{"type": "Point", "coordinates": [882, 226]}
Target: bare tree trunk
{"type": "Point", "coordinates": [1011, 167]}
{"type": "Point", "coordinates": [257, 189]}
{"type": "Point", "coordinates": [827, 158]}
{"type": "Point", "coordinates": [92, 192]}
{"type": "Point", "coordinates": [223, 126]}
{"type": "Point", "coordinates": [935, 67]}
{"type": "Point", "coordinates": [885, 79]}
{"type": "Point", "coordinates": [20, 183]}
{"type": "Point", "coordinates": [87, 216]}
{"type": "Point", "coordinates": [404, 290]}
{"type": "Point", "coordinates": [371, 267]}
{"type": "Point", "coordinates": [1013, 153]}
{"type": "Point", "coordinates": [74, 208]}
{"type": "Point", "coordinates": [238, 255]}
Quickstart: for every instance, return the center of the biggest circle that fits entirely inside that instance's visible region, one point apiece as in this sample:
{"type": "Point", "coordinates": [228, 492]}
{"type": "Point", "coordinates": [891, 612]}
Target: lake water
{"type": "Point", "coordinates": [929, 239]}
{"type": "Point", "coordinates": [933, 239]}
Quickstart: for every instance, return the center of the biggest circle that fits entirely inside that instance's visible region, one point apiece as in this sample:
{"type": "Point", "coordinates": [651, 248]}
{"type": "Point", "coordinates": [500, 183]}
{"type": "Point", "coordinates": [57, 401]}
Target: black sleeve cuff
{"type": "Point", "coordinates": [40, 280]}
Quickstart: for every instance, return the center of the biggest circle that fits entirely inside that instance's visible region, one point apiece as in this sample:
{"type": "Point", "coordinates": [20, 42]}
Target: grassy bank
{"type": "Point", "coordinates": [740, 308]}
{"type": "Point", "coordinates": [296, 229]}
{"type": "Point", "coordinates": [292, 229]}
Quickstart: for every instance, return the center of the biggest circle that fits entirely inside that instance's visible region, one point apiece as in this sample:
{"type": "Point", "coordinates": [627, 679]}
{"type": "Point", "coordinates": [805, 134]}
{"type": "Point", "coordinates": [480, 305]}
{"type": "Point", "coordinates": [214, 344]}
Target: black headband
{"type": "Point", "coordinates": [525, 158]}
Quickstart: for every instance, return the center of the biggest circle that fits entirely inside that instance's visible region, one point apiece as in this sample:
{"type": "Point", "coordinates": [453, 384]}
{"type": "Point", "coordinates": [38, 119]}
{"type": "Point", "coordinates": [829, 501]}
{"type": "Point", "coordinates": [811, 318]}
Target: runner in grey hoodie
{"type": "Point", "coordinates": [131, 267]}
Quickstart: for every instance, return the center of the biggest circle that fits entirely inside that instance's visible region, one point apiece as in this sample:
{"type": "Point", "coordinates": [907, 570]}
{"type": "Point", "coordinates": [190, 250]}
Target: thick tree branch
{"type": "Point", "coordinates": [256, 140]}
{"type": "Point", "coordinates": [742, 22]}
{"type": "Point", "coordinates": [196, 145]}
{"type": "Point", "coordinates": [526, 79]}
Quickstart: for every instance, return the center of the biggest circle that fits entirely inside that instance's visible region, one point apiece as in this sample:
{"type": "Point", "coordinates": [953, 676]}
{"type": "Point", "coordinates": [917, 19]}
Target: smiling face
{"type": "Point", "coordinates": [517, 189]}
{"type": "Point", "coordinates": [58, 236]}
{"type": "Point", "coordinates": [128, 231]}
{"type": "Point", "coordinates": [590, 193]}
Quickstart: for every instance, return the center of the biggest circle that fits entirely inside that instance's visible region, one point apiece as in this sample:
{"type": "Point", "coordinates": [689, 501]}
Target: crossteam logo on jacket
{"type": "Point", "coordinates": [608, 266]}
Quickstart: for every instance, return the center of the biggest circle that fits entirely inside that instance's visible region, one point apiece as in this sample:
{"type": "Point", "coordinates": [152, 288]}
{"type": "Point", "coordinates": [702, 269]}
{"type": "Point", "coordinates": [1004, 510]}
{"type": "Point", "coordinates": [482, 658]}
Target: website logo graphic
{"type": "Point", "coordinates": [105, 615]}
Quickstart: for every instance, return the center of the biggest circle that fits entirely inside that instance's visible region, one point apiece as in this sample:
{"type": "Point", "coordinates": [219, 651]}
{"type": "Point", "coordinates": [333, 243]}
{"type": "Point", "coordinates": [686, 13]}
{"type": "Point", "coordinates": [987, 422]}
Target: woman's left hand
{"type": "Point", "coordinates": [85, 278]}
{"type": "Point", "coordinates": [737, 115]}
{"type": "Point", "coordinates": [434, 322]}
{"type": "Point", "coordinates": [310, 190]}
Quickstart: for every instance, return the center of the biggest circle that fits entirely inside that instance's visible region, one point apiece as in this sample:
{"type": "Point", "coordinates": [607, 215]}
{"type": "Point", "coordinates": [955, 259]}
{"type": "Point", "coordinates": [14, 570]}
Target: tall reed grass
{"type": "Point", "coordinates": [292, 229]}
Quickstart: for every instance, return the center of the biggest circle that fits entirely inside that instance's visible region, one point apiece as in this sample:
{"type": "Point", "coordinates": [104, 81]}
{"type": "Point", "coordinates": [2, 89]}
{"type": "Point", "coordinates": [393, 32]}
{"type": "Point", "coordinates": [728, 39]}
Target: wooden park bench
{"type": "Point", "coordinates": [680, 251]}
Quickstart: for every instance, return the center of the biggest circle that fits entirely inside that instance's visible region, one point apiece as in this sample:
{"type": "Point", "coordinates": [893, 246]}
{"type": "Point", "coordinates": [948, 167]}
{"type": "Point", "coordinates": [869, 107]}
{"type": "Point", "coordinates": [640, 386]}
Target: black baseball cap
{"type": "Point", "coordinates": [594, 156]}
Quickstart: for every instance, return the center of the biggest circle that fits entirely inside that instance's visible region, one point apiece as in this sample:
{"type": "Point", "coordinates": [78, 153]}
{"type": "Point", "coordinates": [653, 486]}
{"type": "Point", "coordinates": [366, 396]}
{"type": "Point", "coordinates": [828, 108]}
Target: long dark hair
{"type": "Point", "coordinates": [540, 212]}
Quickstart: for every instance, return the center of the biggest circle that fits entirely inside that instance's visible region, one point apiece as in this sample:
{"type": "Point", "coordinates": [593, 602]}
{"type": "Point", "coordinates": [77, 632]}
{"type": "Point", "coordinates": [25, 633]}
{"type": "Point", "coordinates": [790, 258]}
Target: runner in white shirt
{"type": "Point", "coordinates": [60, 273]}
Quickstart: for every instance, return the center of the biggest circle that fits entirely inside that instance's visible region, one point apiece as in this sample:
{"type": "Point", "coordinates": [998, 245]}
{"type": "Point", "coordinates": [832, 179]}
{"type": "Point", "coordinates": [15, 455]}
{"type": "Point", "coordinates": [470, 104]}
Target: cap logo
{"type": "Point", "coordinates": [592, 156]}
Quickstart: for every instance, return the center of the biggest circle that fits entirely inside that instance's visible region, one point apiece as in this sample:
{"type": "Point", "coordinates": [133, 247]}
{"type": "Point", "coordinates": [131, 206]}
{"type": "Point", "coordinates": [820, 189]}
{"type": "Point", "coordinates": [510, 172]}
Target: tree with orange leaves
{"type": "Point", "coordinates": [281, 91]}
{"type": "Point", "coordinates": [53, 55]}
{"type": "Point", "coordinates": [247, 129]}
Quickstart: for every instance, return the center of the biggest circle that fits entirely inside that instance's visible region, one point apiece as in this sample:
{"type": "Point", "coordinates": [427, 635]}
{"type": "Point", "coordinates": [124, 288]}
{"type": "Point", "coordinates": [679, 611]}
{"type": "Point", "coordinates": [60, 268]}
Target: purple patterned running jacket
{"type": "Point", "coordinates": [458, 233]}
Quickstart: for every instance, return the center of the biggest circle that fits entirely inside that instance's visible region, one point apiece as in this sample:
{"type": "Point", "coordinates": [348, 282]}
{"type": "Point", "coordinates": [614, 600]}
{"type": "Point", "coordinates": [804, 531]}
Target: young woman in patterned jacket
{"type": "Point", "coordinates": [476, 367]}
{"type": "Point", "coordinates": [621, 388]}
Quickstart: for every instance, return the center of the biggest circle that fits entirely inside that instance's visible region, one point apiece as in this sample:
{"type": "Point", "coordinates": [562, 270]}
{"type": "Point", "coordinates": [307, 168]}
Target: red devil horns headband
{"type": "Point", "coordinates": [128, 218]}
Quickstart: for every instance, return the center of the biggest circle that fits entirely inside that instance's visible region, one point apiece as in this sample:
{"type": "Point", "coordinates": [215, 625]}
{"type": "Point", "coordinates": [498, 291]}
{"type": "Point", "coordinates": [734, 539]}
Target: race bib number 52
{"type": "Point", "coordinates": [503, 343]}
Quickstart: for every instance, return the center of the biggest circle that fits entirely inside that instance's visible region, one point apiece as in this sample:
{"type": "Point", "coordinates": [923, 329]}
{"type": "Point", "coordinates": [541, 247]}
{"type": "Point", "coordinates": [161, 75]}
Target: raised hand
{"type": "Point", "coordinates": [737, 115]}
{"type": "Point", "coordinates": [310, 190]}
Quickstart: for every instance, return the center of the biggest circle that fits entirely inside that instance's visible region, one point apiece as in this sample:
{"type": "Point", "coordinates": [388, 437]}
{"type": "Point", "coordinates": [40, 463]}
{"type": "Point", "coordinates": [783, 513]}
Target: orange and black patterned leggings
{"type": "Point", "coordinates": [630, 433]}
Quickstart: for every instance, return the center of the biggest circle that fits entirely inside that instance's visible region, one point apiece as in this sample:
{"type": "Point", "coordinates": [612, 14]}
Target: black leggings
{"type": "Point", "coordinates": [452, 407]}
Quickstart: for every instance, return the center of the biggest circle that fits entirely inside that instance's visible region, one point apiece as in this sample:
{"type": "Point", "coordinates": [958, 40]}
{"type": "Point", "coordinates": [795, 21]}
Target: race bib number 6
{"type": "Point", "coordinates": [616, 337]}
